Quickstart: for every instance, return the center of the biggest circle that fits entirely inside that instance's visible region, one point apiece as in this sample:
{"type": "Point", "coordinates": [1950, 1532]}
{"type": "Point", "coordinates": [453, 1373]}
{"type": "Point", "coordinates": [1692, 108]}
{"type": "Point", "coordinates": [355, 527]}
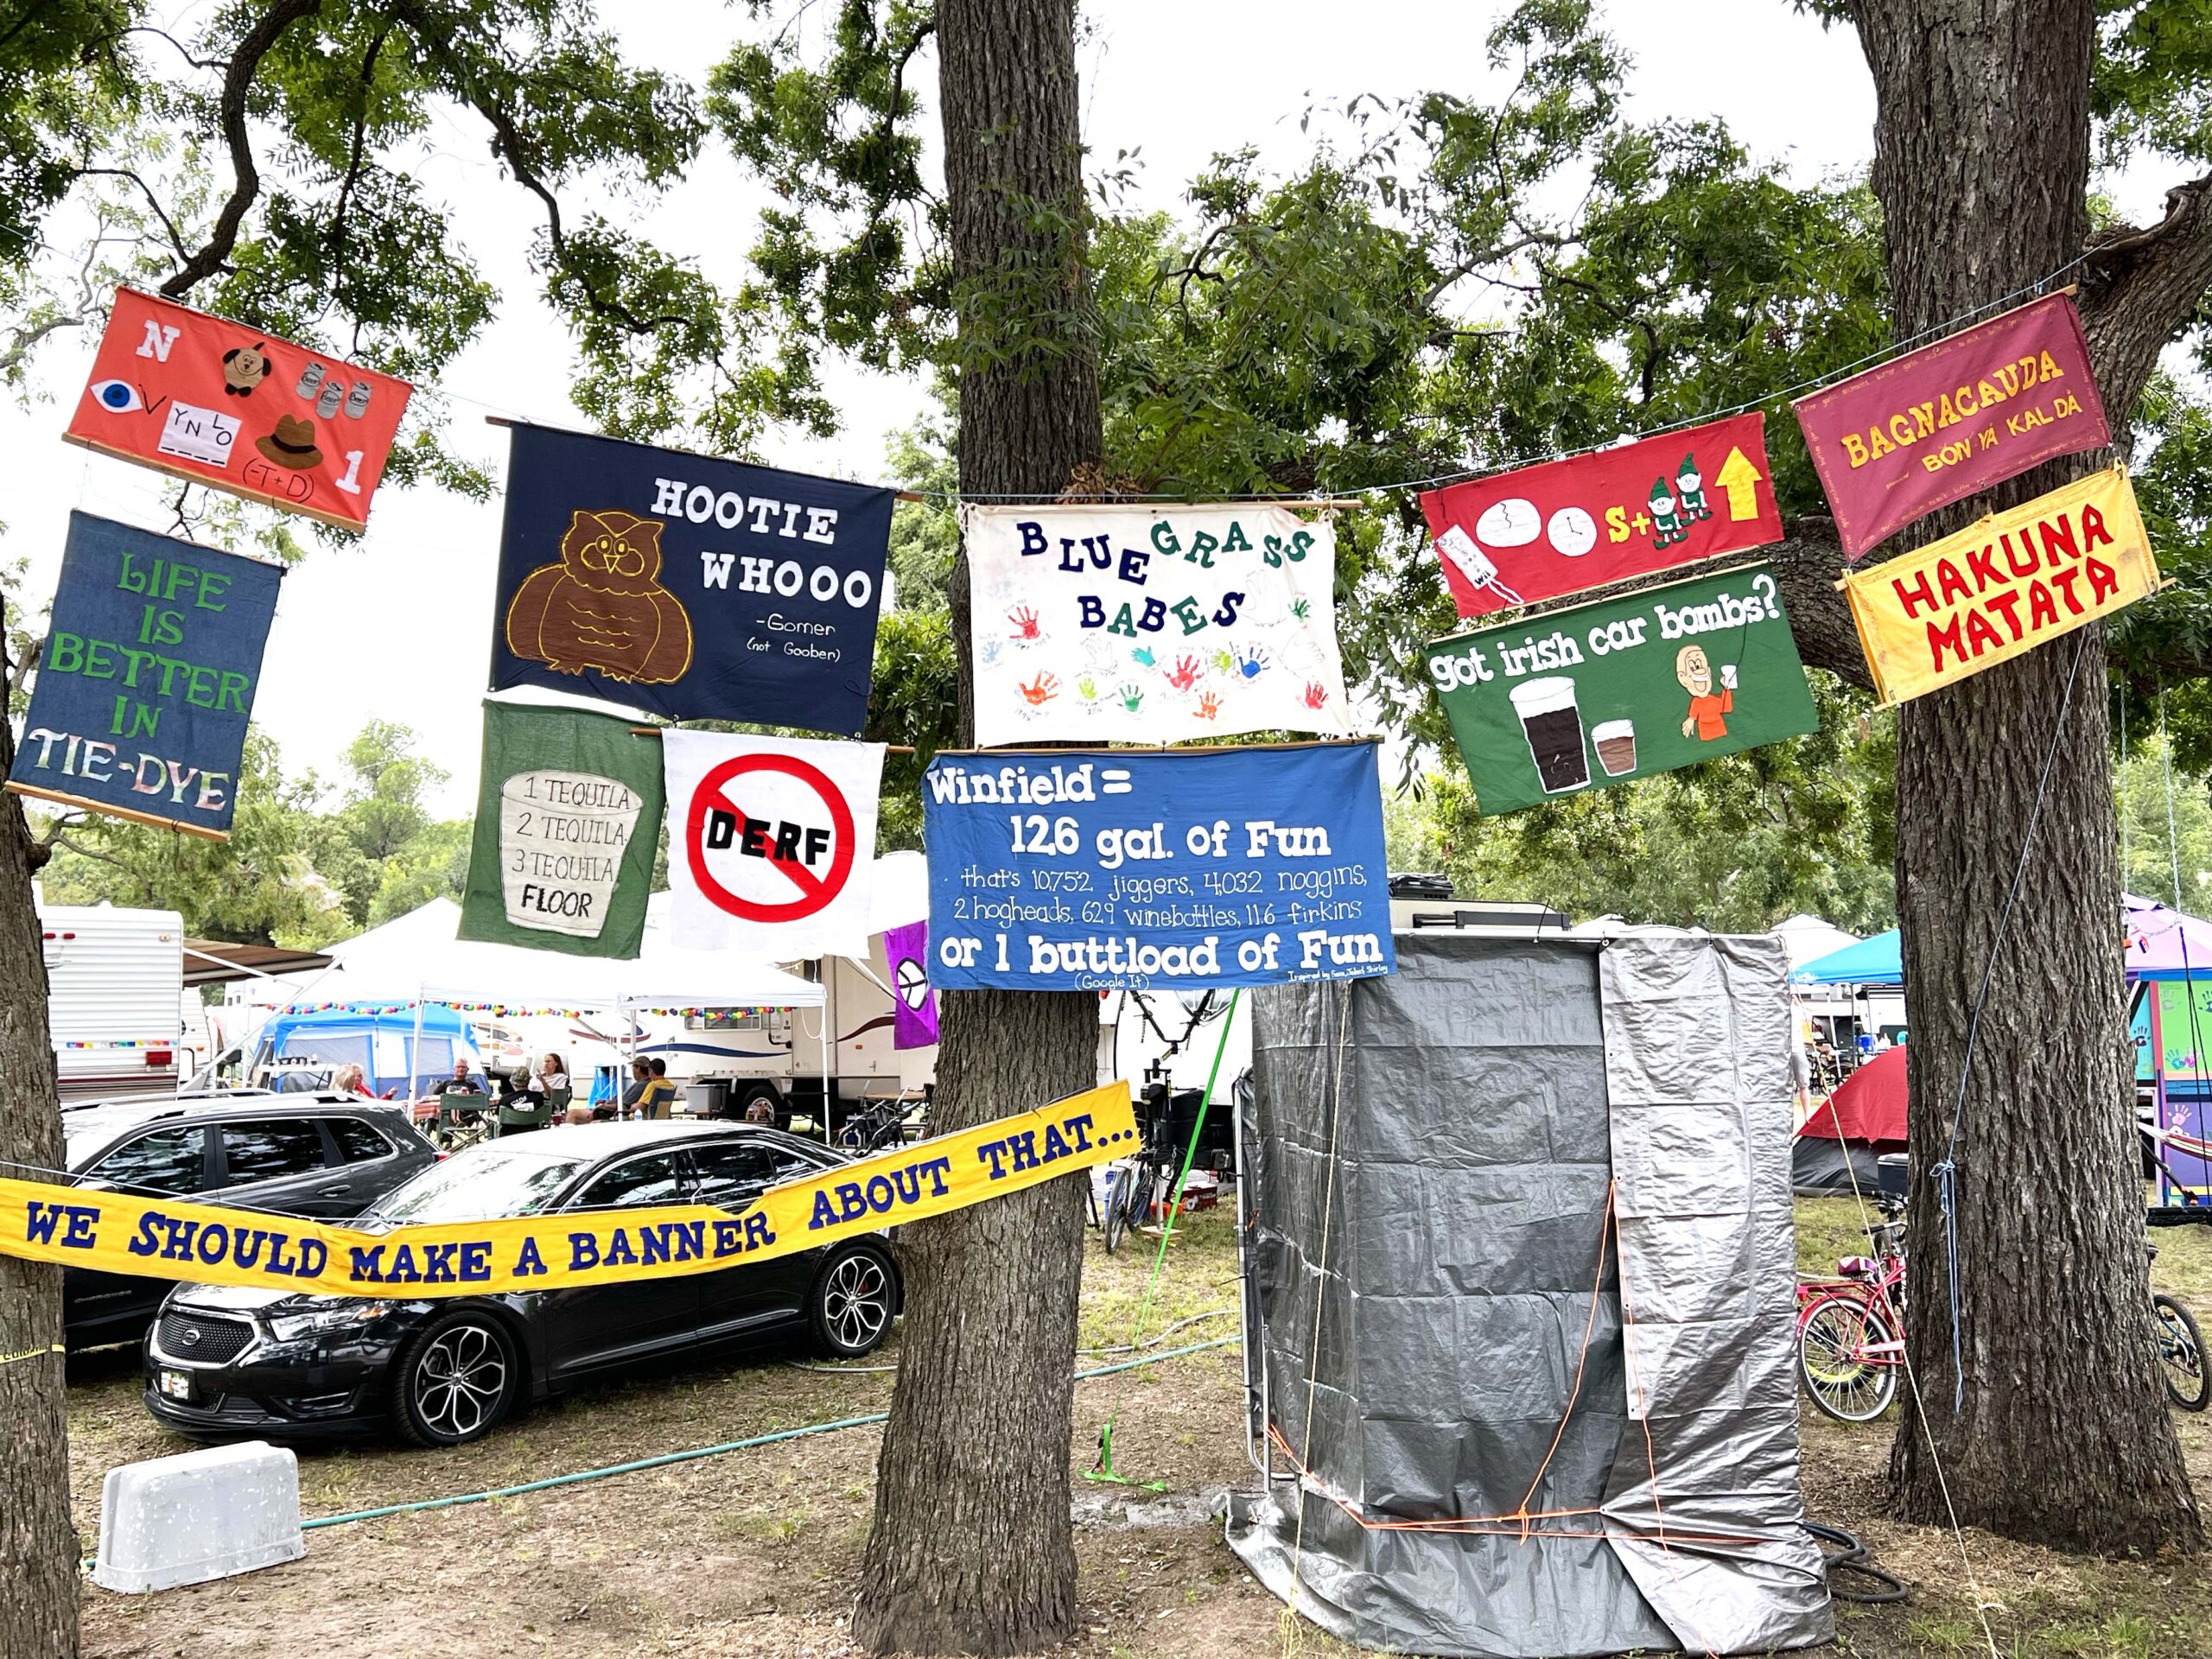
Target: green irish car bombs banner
{"type": "Point", "coordinates": [1624, 688]}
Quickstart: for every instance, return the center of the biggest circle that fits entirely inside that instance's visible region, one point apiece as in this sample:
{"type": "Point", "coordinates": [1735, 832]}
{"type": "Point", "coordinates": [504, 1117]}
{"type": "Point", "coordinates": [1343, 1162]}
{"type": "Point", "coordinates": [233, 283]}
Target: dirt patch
{"type": "Point", "coordinates": [755, 1553]}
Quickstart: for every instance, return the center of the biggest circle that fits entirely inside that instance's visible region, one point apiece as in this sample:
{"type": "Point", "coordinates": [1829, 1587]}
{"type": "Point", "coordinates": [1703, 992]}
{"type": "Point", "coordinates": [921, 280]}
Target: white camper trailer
{"type": "Point", "coordinates": [115, 992]}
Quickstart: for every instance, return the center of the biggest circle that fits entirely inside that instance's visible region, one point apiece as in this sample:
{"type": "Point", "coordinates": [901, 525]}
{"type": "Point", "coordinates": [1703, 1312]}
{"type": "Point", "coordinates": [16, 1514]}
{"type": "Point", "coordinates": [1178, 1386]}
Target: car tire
{"type": "Point", "coordinates": [854, 1299]}
{"type": "Point", "coordinates": [455, 1379]}
{"type": "Point", "coordinates": [742, 1101]}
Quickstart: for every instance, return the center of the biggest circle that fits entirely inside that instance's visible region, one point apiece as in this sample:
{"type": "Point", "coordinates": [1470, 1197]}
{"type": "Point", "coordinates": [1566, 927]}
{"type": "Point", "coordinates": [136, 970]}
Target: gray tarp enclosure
{"type": "Point", "coordinates": [1434, 1314]}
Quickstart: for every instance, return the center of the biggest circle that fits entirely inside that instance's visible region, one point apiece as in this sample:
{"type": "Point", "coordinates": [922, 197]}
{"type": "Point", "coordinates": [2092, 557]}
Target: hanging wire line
{"type": "Point", "coordinates": [1896, 349]}
{"type": "Point", "coordinates": [1946, 1173]}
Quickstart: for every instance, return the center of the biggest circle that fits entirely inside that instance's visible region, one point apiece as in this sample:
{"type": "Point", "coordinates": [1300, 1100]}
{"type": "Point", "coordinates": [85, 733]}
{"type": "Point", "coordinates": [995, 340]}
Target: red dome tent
{"type": "Point", "coordinates": [1853, 1129]}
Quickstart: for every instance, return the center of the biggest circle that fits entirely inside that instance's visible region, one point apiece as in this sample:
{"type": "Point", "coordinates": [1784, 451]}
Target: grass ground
{"type": "Point", "coordinates": [755, 1553]}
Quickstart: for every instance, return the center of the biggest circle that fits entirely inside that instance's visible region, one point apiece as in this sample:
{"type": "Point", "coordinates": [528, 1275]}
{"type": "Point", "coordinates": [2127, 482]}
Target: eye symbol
{"type": "Point", "coordinates": [117, 397]}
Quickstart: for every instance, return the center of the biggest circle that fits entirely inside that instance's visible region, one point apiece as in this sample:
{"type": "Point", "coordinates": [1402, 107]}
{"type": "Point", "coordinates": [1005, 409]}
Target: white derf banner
{"type": "Point", "coordinates": [770, 842]}
{"type": "Point", "coordinates": [1150, 623]}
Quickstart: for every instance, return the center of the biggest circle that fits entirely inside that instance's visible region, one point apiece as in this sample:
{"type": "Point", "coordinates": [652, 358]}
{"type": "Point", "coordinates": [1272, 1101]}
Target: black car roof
{"type": "Point", "coordinates": [600, 1141]}
{"type": "Point", "coordinates": [94, 1125]}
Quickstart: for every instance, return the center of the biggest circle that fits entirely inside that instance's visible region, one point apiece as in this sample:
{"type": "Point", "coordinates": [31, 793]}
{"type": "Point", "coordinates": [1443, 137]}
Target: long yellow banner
{"type": "Point", "coordinates": [158, 1238]}
{"type": "Point", "coordinates": [2012, 582]}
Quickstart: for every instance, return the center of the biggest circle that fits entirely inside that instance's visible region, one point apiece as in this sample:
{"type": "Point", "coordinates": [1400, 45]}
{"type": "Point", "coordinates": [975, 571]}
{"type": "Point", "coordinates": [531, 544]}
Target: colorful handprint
{"type": "Point", "coordinates": [1025, 619]}
{"type": "Point", "coordinates": [1087, 688]}
{"type": "Point", "coordinates": [1142, 657]}
{"type": "Point", "coordinates": [1185, 675]}
{"type": "Point", "coordinates": [1253, 660]}
{"type": "Point", "coordinates": [1209, 706]}
{"type": "Point", "coordinates": [1223, 663]}
{"type": "Point", "coordinates": [1316, 696]}
{"type": "Point", "coordinates": [1041, 690]}
{"type": "Point", "coordinates": [1131, 696]}
{"type": "Point", "coordinates": [1301, 608]}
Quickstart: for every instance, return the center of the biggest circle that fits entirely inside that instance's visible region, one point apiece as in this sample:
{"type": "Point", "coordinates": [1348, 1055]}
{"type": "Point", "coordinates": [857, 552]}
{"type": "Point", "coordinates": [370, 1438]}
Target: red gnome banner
{"type": "Point", "coordinates": [238, 410]}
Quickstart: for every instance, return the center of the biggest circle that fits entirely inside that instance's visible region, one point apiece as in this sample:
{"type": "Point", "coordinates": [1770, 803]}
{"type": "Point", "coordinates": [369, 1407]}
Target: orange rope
{"type": "Point", "coordinates": [1582, 1359]}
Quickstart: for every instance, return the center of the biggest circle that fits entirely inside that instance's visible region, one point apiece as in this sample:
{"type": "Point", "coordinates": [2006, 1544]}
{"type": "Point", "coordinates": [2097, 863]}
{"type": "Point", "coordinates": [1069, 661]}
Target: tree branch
{"type": "Point", "coordinates": [238, 77]}
{"type": "Point", "coordinates": [154, 202]}
{"type": "Point", "coordinates": [353, 161]}
{"type": "Point", "coordinates": [2140, 288]}
{"type": "Point", "coordinates": [1805, 563]}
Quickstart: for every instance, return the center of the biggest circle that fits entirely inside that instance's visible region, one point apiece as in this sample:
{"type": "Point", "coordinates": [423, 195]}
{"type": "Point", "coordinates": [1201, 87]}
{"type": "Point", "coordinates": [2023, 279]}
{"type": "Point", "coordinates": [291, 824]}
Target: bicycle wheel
{"type": "Point", "coordinates": [1845, 1381]}
{"type": "Point", "coordinates": [1118, 1183]}
{"type": "Point", "coordinates": [2181, 1354]}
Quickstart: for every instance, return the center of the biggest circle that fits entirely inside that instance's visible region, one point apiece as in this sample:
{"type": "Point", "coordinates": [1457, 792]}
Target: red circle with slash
{"type": "Point", "coordinates": [815, 892]}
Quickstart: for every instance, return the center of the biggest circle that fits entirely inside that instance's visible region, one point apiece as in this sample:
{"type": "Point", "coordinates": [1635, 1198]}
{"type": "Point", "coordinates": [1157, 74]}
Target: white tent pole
{"type": "Point", "coordinates": [826, 1083]}
{"type": "Point", "coordinates": [414, 1048]}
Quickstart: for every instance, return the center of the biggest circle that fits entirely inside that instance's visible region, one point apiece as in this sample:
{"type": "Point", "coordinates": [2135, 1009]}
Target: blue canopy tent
{"type": "Point", "coordinates": [1878, 961]}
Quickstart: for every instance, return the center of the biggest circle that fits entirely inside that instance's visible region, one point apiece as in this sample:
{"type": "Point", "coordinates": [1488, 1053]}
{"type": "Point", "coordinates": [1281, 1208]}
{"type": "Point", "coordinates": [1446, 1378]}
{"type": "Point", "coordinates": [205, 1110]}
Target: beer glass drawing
{"type": "Point", "coordinates": [1616, 741]}
{"type": "Point", "coordinates": [1552, 725]}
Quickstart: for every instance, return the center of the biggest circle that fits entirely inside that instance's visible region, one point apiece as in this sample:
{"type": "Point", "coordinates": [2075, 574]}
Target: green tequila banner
{"type": "Point", "coordinates": [567, 820]}
{"type": "Point", "coordinates": [1622, 687]}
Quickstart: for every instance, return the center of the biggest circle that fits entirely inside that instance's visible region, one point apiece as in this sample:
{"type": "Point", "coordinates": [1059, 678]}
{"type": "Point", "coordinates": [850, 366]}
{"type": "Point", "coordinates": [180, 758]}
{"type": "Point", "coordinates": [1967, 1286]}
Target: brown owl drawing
{"type": "Point", "coordinates": [603, 607]}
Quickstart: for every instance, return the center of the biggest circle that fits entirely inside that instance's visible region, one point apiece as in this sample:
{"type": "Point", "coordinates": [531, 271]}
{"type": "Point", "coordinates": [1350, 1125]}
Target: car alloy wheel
{"type": "Point", "coordinates": [456, 1383]}
{"type": "Point", "coordinates": [853, 1303]}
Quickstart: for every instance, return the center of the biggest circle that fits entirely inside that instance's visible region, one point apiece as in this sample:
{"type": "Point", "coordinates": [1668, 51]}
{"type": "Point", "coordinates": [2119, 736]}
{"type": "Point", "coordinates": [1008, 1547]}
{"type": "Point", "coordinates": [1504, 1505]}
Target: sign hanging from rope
{"type": "Point", "coordinates": [1152, 624]}
{"type": "Point", "coordinates": [1546, 532]}
{"type": "Point", "coordinates": [698, 588]}
{"type": "Point", "coordinates": [148, 678]}
{"type": "Point", "coordinates": [1949, 421]}
{"type": "Point", "coordinates": [772, 842]}
{"type": "Point", "coordinates": [561, 857]}
{"type": "Point", "coordinates": [1624, 688]}
{"type": "Point", "coordinates": [2017, 579]}
{"type": "Point", "coordinates": [115, 1232]}
{"type": "Point", "coordinates": [1075, 869]}
{"type": "Point", "coordinates": [238, 410]}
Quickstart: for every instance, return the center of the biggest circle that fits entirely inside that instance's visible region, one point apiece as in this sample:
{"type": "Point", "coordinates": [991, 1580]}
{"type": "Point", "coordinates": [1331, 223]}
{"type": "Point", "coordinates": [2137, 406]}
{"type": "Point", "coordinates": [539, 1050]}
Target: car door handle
{"type": "Point", "coordinates": [338, 1192]}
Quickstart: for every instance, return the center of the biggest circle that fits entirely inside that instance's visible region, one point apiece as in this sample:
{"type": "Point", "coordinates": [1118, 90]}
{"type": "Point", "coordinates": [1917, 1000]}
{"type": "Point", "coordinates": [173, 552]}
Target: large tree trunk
{"type": "Point", "coordinates": [38, 1544]}
{"type": "Point", "coordinates": [1982, 165]}
{"type": "Point", "coordinates": [972, 1549]}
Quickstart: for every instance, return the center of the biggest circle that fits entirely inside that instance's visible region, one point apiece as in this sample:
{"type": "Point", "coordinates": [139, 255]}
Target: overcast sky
{"type": "Point", "coordinates": [395, 626]}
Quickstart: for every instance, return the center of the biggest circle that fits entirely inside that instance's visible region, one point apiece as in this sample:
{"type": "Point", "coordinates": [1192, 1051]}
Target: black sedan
{"type": "Point", "coordinates": [283, 1365]}
{"type": "Point", "coordinates": [328, 1156]}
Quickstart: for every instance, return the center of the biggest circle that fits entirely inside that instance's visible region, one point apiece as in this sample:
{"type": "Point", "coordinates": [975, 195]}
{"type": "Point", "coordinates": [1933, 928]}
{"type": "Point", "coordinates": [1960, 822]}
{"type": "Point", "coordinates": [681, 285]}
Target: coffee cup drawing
{"type": "Point", "coordinates": [1552, 725]}
{"type": "Point", "coordinates": [1616, 744]}
{"type": "Point", "coordinates": [1728, 675]}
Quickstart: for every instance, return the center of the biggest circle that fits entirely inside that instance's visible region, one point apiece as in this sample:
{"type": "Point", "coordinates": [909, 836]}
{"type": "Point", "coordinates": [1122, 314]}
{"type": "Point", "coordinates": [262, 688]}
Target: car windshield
{"type": "Point", "coordinates": [486, 1183]}
{"type": "Point", "coordinates": [86, 1130]}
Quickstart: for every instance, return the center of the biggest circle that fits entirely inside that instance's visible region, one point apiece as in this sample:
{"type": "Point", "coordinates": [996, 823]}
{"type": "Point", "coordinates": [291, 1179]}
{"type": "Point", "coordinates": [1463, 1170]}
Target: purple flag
{"type": "Point", "coordinates": [913, 1004]}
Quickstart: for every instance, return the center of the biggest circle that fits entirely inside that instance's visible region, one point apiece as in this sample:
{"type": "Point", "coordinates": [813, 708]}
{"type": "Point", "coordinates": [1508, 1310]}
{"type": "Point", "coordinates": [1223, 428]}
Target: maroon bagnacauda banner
{"type": "Point", "coordinates": [1948, 421]}
{"type": "Point", "coordinates": [1543, 532]}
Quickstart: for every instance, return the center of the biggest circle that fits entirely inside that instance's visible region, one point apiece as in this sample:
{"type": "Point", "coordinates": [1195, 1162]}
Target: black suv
{"type": "Point", "coordinates": [284, 1365]}
{"type": "Point", "coordinates": [327, 1156]}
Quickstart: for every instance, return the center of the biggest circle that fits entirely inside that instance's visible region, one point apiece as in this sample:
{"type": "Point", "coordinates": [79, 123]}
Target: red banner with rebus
{"type": "Point", "coordinates": [238, 410]}
{"type": "Point", "coordinates": [1546, 531]}
{"type": "Point", "coordinates": [1952, 419]}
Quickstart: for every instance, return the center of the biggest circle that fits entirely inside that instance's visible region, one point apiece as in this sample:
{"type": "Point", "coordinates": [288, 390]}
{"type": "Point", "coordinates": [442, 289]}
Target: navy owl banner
{"type": "Point", "coordinates": [700, 589]}
{"type": "Point", "coordinates": [143, 692]}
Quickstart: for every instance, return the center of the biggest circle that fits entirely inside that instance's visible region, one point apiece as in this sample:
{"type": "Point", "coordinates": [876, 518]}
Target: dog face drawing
{"type": "Point", "coordinates": [602, 605]}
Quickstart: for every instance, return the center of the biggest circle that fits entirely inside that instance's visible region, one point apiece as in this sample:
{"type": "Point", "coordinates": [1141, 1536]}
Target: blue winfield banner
{"type": "Point", "coordinates": [1076, 869]}
{"type": "Point", "coordinates": [141, 703]}
{"type": "Point", "coordinates": [701, 589]}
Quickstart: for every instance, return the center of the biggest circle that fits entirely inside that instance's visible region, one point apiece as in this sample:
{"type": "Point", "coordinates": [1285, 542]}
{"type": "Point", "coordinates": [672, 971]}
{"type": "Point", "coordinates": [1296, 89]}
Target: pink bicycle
{"type": "Point", "coordinates": [1851, 1329]}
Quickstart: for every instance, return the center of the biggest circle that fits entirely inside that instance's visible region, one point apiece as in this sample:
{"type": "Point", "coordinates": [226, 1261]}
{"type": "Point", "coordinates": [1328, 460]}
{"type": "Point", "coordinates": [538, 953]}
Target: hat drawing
{"type": "Point", "coordinates": [292, 444]}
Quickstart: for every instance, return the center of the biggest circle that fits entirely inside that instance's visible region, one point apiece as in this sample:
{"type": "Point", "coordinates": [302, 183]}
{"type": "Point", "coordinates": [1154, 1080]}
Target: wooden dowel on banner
{"type": "Point", "coordinates": [658, 731]}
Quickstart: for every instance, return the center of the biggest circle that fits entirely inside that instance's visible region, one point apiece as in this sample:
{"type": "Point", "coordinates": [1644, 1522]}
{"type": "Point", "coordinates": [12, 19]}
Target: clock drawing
{"type": "Point", "coordinates": [1513, 522]}
{"type": "Point", "coordinates": [1573, 532]}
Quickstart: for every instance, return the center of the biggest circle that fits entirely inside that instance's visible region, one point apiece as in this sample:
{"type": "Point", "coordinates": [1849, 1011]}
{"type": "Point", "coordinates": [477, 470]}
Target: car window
{"type": "Point", "coordinates": [642, 1180]}
{"type": "Point", "coordinates": [736, 1172]}
{"type": "Point", "coordinates": [270, 1149]}
{"type": "Point", "coordinates": [486, 1182]}
{"type": "Point", "coordinates": [170, 1161]}
{"type": "Point", "coordinates": [356, 1142]}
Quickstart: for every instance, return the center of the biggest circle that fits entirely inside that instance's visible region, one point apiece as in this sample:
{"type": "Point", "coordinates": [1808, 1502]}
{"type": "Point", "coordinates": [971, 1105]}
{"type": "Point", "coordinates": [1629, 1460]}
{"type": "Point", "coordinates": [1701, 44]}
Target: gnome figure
{"type": "Point", "coordinates": [1689, 484]}
{"type": "Point", "coordinates": [1666, 523]}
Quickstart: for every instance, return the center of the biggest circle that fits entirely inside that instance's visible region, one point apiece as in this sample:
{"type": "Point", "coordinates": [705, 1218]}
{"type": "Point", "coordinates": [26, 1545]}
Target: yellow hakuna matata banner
{"type": "Point", "coordinates": [158, 1238]}
{"type": "Point", "coordinates": [2015, 580]}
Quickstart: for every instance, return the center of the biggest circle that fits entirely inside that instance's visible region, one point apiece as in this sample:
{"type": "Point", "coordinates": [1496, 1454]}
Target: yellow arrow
{"type": "Point", "coordinates": [1741, 479]}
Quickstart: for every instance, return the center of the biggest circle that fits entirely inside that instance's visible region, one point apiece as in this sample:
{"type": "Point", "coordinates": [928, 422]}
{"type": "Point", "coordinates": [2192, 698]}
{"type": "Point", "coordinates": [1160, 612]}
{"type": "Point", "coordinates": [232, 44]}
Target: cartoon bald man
{"type": "Point", "coordinates": [1708, 706]}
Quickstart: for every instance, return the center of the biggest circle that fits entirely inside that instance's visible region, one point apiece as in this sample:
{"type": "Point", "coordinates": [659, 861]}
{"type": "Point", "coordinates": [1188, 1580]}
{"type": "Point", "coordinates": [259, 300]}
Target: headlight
{"type": "Point", "coordinates": [319, 1321]}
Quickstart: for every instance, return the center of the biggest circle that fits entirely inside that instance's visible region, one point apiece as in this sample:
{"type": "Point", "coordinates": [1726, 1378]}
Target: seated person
{"type": "Point", "coordinates": [462, 1081]}
{"type": "Point", "coordinates": [660, 1094]}
{"type": "Point", "coordinates": [521, 1108]}
{"type": "Point", "coordinates": [635, 1092]}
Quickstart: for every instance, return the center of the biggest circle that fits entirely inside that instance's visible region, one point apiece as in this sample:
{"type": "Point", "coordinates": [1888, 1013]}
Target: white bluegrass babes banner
{"type": "Point", "coordinates": [1147, 624]}
{"type": "Point", "coordinates": [770, 842]}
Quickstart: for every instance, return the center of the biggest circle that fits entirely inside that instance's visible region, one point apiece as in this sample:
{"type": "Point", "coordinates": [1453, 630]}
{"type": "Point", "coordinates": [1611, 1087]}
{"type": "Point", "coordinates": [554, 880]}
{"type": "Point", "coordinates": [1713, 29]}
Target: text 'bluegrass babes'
{"type": "Point", "coordinates": [115, 1232]}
